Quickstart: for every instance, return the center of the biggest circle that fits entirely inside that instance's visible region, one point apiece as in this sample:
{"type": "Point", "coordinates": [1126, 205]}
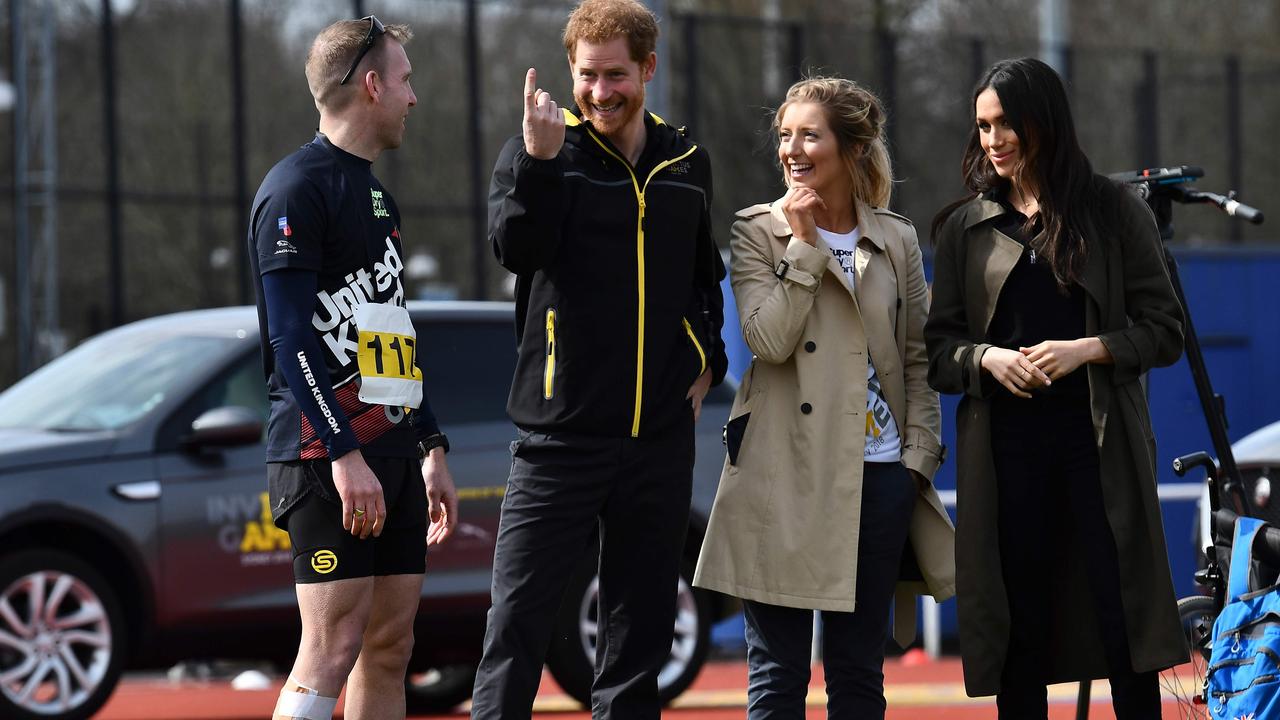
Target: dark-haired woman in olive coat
{"type": "Point", "coordinates": [1050, 301]}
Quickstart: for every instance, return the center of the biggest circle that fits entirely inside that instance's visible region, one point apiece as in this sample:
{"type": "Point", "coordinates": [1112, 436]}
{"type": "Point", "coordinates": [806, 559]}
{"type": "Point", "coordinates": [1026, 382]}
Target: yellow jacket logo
{"type": "Point", "coordinates": [324, 562]}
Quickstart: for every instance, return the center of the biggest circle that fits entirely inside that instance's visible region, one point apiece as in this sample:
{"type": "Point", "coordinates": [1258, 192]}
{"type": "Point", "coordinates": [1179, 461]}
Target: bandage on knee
{"type": "Point", "coordinates": [304, 703]}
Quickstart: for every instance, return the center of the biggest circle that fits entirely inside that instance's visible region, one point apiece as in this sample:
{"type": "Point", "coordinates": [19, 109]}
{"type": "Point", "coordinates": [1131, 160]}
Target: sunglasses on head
{"type": "Point", "coordinates": [375, 29]}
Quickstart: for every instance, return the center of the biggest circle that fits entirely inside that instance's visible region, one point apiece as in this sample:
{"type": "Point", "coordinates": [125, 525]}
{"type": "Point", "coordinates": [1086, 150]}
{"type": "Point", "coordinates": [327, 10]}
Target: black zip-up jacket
{"type": "Point", "coordinates": [618, 304]}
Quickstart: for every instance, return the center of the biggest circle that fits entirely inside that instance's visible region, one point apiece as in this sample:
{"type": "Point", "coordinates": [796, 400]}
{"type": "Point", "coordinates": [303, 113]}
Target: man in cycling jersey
{"type": "Point", "coordinates": [355, 458]}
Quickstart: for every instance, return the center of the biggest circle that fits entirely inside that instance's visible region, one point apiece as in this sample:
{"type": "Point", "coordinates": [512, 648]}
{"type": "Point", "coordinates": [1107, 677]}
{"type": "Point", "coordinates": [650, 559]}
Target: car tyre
{"type": "Point", "coordinates": [62, 637]}
{"type": "Point", "coordinates": [439, 690]}
{"type": "Point", "coordinates": [571, 657]}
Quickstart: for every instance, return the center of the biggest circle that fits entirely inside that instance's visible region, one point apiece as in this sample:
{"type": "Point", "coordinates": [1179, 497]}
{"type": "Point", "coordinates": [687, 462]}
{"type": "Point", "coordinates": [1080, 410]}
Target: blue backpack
{"type": "Point", "coordinates": [1243, 679]}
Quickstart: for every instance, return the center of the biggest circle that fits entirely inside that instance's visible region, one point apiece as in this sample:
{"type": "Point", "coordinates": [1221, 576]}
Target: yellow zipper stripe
{"type": "Point", "coordinates": [639, 191]}
{"type": "Point", "coordinates": [635, 424]}
{"type": "Point", "coordinates": [549, 373]}
{"type": "Point", "coordinates": [698, 346]}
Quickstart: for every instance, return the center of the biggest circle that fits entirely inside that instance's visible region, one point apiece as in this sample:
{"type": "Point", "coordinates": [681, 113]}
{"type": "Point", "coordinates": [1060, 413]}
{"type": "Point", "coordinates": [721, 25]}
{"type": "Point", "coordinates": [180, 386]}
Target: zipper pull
{"type": "Point", "coordinates": [641, 206]}
{"type": "Point", "coordinates": [549, 372]}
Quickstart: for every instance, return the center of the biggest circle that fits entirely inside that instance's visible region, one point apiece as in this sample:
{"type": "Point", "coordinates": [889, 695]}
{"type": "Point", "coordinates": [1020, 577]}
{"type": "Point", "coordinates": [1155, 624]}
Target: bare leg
{"type": "Point", "coordinates": [375, 690]}
{"type": "Point", "coordinates": [334, 617]}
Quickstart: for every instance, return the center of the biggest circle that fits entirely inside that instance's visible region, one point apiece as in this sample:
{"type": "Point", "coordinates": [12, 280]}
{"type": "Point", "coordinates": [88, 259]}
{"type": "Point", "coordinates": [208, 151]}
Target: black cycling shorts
{"type": "Point", "coordinates": [322, 549]}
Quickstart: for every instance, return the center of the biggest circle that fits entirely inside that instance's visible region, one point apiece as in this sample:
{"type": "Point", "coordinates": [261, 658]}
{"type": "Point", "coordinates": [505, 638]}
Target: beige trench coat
{"type": "Point", "coordinates": [1131, 308]}
{"type": "Point", "coordinates": [784, 527]}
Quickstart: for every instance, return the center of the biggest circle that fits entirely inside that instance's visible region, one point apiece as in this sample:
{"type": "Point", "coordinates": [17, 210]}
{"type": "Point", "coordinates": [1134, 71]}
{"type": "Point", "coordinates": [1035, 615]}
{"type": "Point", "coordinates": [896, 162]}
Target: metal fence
{"type": "Point", "coordinates": [148, 130]}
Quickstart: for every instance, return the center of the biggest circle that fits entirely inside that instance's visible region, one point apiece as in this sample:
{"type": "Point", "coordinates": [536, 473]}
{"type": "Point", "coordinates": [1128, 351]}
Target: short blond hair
{"type": "Point", "coordinates": [857, 118]}
{"type": "Point", "coordinates": [331, 54]}
{"type": "Point", "coordinates": [599, 21]}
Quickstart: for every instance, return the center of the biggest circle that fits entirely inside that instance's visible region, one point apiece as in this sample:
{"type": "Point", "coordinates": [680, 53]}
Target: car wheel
{"type": "Point", "coordinates": [61, 637]}
{"type": "Point", "coordinates": [439, 690]}
{"type": "Point", "coordinates": [571, 658]}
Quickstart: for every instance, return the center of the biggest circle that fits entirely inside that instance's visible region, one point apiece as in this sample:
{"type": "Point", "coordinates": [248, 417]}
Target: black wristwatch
{"type": "Point", "coordinates": [431, 443]}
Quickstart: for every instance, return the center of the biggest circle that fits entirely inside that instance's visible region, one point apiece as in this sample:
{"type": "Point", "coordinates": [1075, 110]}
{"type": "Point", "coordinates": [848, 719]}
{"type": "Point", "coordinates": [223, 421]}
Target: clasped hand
{"type": "Point", "coordinates": [1030, 368]}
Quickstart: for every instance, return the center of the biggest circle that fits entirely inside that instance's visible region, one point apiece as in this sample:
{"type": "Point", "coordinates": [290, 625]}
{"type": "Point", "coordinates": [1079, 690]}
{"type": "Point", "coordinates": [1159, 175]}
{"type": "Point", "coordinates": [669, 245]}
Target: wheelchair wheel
{"type": "Point", "coordinates": [1183, 685]}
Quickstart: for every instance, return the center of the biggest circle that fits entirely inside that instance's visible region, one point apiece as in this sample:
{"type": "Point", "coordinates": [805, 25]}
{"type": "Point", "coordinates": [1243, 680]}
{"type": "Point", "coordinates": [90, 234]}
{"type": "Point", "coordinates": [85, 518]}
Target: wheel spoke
{"type": "Point", "coordinates": [59, 668]}
{"type": "Point", "coordinates": [37, 591]}
{"type": "Point", "coordinates": [77, 670]}
{"type": "Point", "coordinates": [681, 652]}
{"type": "Point", "coordinates": [62, 585]}
{"type": "Point", "coordinates": [20, 670]}
{"type": "Point", "coordinates": [8, 639]}
{"type": "Point", "coordinates": [686, 623]}
{"type": "Point", "coordinates": [37, 676]}
{"type": "Point", "coordinates": [1184, 683]}
{"type": "Point", "coordinates": [92, 638]}
{"type": "Point", "coordinates": [13, 620]}
{"type": "Point", "coordinates": [90, 612]}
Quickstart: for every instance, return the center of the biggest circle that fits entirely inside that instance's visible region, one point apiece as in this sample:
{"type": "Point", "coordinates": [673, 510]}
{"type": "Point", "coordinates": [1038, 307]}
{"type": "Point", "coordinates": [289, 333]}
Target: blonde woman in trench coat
{"type": "Point", "coordinates": [833, 438]}
{"type": "Point", "coordinates": [1050, 300]}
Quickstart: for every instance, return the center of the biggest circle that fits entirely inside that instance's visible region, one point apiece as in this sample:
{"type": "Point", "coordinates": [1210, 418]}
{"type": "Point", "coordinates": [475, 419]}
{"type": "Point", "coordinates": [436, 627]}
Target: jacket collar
{"type": "Point", "coordinates": [985, 208]}
{"type": "Point", "coordinates": [871, 226]}
{"type": "Point", "coordinates": [661, 140]}
{"type": "Point", "coordinates": [1094, 277]}
{"type": "Point", "coordinates": [573, 118]}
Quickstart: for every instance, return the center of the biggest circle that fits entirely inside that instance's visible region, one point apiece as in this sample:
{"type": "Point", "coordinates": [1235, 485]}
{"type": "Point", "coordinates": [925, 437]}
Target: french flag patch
{"type": "Point", "coordinates": [283, 224]}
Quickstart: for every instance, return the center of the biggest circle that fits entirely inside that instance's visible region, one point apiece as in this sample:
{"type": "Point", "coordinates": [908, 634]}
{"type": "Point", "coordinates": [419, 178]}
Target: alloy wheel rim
{"type": "Point", "coordinates": [55, 642]}
{"type": "Point", "coordinates": [684, 641]}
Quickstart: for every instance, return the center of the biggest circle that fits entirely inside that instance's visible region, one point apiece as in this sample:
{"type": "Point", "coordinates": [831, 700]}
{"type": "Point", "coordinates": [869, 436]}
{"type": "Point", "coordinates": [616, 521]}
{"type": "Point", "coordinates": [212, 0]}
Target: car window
{"type": "Point", "coordinates": [109, 381]}
{"type": "Point", "coordinates": [241, 385]}
{"type": "Point", "coordinates": [466, 368]}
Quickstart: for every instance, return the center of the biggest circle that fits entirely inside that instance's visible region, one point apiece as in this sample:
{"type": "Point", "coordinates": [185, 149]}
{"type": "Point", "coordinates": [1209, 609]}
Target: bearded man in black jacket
{"type": "Point", "coordinates": [603, 215]}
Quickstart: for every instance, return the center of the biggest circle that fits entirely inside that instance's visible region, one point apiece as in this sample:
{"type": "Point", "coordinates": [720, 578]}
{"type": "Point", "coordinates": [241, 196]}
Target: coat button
{"type": "Point", "coordinates": [810, 346]}
{"type": "Point", "coordinates": [806, 408]}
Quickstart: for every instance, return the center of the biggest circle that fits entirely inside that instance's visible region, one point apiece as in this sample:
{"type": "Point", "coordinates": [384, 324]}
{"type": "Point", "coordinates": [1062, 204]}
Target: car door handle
{"type": "Point", "coordinates": [145, 490]}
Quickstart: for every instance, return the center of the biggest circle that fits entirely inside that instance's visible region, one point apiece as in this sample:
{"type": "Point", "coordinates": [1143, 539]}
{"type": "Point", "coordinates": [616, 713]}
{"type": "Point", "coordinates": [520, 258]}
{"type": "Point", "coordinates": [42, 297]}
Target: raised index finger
{"type": "Point", "coordinates": [530, 84]}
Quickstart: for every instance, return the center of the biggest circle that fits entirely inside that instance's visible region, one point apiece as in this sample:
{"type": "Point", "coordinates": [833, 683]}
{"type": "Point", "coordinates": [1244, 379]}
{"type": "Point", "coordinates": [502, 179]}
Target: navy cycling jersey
{"type": "Point", "coordinates": [320, 213]}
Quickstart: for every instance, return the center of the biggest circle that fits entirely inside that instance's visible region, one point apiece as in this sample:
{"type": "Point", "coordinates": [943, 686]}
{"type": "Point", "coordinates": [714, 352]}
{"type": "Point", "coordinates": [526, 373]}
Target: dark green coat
{"type": "Point", "coordinates": [1131, 307]}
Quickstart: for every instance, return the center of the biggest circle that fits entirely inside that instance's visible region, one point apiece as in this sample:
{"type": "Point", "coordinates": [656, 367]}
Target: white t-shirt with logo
{"type": "Point", "coordinates": [883, 441]}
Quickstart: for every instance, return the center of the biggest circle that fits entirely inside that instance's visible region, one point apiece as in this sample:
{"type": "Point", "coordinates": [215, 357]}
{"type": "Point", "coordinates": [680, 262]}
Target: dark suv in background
{"type": "Point", "coordinates": [135, 531]}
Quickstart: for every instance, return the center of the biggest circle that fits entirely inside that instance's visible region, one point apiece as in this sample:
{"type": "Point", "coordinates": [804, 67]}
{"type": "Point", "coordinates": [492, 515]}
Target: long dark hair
{"type": "Point", "coordinates": [1035, 105]}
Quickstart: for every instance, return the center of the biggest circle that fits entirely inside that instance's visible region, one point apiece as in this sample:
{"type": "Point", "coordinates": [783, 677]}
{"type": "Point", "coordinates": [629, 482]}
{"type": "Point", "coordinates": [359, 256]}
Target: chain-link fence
{"type": "Point", "coordinates": [189, 139]}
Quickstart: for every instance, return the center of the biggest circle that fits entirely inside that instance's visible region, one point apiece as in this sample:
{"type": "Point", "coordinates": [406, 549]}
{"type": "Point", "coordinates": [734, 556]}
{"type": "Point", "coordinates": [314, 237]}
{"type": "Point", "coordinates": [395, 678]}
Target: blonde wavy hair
{"type": "Point", "coordinates": [857, 118]}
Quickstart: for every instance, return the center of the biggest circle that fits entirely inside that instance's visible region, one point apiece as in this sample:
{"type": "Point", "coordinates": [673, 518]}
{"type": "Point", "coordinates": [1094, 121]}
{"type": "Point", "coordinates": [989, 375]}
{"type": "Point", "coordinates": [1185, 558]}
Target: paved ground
{"type": "Point", "coordinates": [933, 690]}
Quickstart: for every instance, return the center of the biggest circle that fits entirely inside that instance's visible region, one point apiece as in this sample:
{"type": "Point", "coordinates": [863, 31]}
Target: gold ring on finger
{"type": "Point", "coordinates": [359, 512]}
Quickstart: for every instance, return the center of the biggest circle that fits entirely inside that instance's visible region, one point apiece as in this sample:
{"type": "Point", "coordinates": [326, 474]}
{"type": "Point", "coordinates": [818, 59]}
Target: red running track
{"type": "Point", "coordinates": [931, 690]}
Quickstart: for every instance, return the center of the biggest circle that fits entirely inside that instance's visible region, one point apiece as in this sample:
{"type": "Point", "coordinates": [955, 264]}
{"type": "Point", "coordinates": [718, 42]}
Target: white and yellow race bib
{"type": "Point", "coordinates": [389, 373]}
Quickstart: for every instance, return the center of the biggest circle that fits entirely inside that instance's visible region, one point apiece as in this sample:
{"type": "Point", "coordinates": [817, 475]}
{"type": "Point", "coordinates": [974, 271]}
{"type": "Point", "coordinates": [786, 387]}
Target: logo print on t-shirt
{"type": "Point", "coordinates": [337, 308]}
{"type": "Point", "coordinates": [845, 258]}
{"type": "Point", "coordinates": [379, 207]}
{"type": "Point", "coordinates": [878, 415]}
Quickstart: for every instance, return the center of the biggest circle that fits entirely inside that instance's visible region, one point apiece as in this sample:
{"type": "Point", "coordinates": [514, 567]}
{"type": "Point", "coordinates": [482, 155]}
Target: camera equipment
{"type": "Point", "coordinates": [1160, 187]}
